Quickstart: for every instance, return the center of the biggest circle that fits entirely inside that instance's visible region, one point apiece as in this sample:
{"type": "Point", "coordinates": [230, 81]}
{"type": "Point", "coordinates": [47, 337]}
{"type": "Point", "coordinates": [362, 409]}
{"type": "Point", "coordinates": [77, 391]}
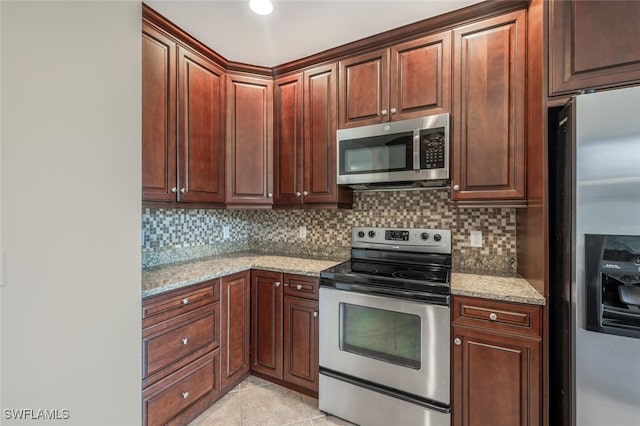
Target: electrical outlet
{"type": "Point", "coordinates": [225, 232]}
{"type": "Point", "coordinates": [303, 232]}
{"type": "Point", "coordinates": [142, 238]}
{"type": "Point", "coordinates": [475, 238]}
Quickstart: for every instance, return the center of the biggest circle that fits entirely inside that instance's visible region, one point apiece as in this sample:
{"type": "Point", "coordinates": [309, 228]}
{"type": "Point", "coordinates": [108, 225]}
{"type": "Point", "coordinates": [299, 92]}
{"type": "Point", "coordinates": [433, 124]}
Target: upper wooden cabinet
{"type": "Point", "coordinates": [158, 115]}
{"type": "Point", "coordinates": [405, 81]}
{"type": "Point", "coordinates": [288, 144]}
{"type": "Point", "coordinates": [305, 135]}
{"type": "Point", "coordinates": [488, 142]}
{"type": "Point", "coordinates": [593, 44]}
{"type": "Point", "coordinates": [182, 164]}
{"type": "Point", "coordinates": [201, 129]}
{"type": "Point", "coordinates": [249, 140]}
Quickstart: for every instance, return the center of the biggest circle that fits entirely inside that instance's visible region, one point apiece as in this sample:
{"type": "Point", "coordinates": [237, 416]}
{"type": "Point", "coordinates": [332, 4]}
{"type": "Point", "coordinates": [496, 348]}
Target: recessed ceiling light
{"type": "Point", "coordinates": [261, 7]}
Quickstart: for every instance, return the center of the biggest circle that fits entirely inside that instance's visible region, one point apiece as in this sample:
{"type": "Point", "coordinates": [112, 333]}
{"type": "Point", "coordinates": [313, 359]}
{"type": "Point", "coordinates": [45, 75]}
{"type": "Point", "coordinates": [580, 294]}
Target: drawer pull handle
{"type": "Point", "coordinates": [185, 300]}
{"type": "Point", "coordinates": [493, 316]}
{"type": "Point", "coordinates": [299, 287]}
{"type": "Point", "coordinates": [457, 341]}
{"type": "Point", "coordinates": [185, 341]}
{"type": "Point", "coordinates": [277, 283]}
{"type": "Point", "coordinates": [185, 395]}
{"type": "Point", "coordinates": [315, 314]}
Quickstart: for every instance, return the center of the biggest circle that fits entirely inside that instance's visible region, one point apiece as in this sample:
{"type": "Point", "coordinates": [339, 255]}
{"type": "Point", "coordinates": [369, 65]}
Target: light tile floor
{"type": "Point", "coordinates": [259, 402]}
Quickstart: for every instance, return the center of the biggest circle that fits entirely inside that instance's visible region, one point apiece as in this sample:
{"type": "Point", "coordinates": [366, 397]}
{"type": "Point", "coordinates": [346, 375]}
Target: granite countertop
{"type": "Point", "coordinates": [508, 289]}
{"type": "Point", "coordinates": [159, 279]}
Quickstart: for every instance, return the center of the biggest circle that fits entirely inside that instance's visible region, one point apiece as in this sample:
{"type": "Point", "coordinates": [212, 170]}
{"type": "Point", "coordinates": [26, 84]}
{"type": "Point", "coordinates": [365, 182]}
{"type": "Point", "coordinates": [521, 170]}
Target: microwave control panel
{"type": "Point", "coordinates": [432, 148]}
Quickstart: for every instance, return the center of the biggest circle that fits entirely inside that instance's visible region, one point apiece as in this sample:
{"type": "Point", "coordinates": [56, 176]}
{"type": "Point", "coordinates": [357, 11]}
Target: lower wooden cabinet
{"type": "Point", "coordinates": [496, 375]}
{"type": "Point", "coordinates": [235, 302]}
{"type": "Point", "coordinates": [181, 396]}
{"type": "Point", "coordinates": [180, 354]}
{"type": "Point", "coordinates": [301, 342]}
{"type": "Point", "coordinates": [284, 329]}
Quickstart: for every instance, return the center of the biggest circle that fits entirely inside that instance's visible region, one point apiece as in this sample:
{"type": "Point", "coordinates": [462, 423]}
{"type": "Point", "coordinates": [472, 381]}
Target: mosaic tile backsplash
{"type": "Point", "coordinates": [171, 235]}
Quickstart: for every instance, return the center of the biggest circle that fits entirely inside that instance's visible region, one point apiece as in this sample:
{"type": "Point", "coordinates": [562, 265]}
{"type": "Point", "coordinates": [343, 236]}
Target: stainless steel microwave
{"type": "Point", "coordinates": [406, 153]}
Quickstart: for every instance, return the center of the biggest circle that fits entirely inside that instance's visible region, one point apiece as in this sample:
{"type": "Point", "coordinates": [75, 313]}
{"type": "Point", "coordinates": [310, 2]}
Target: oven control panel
{"type": "Point", "coordinates": [402, 239]}
{"type": "Point", "coordinates": [396, 235]}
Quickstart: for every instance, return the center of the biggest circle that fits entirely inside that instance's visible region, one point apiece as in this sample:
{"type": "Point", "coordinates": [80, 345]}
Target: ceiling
{"type": "Point", "coordinates": [296, 28]}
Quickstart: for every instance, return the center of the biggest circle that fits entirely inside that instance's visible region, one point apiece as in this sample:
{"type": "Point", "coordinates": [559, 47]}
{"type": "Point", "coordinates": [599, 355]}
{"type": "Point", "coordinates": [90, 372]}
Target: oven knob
{"type": "Point", "coordinates": [424, 235]}
{"type": "Point", "coordinates": [361, 234]}
{"type": "Point", "coordinates": [437, 237]}
{"type": "Point", "coordinates": [637, 261]}
{"type": "Point", "coordinates": [372, 234]}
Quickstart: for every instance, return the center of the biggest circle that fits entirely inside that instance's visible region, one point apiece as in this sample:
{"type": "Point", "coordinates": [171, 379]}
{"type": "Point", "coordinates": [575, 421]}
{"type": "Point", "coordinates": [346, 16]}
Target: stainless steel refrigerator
{"type": "Point", "coordinates": [594, 193]}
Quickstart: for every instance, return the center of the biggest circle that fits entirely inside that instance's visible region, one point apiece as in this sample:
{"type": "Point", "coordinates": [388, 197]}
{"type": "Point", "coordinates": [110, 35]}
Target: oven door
{"type": "Point", "coordinates": [400, 344]}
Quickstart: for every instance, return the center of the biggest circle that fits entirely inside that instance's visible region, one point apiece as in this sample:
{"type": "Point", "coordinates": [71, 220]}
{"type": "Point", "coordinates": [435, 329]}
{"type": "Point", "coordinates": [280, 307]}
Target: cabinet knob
{"type": "Point", "coordinates": [383, 112]}
{"type": "Point", "coordinates": [277, 283]}
{"type": "Point", "coordinates": [298, 194]}
{"type": "Point", "coordinates": [185, 300]}
{"type": "Point", "coordinates": [315, 314]}
{"type": "Point", "coordinates": [183, 190]}
{"type": "Point", "coordinates": [456, 187]}
{"type": "Point", "coordinates": [185, 340]}
{"type": "Point", "coordinates": [299, 287]}
{"type": "Point", "coordinates": [493, 316]}
{"type": "Point", "coordinates": [270, 194]}
{"type": "Point", "coordinates": [174, 189]}
{"type": "Point", "coordinates": [457, 341]}
{"type": "Point", "coordinates": [305, 193]}
{"type": "Point", "coordinates": [393, 110]}
{"type": "Point", "coordinates": [185, 395]}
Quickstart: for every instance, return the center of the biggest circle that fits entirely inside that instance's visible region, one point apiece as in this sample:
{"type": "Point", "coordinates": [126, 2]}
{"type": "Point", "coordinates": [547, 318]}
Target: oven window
{"type": "Point", "coordinates": [388, 336]}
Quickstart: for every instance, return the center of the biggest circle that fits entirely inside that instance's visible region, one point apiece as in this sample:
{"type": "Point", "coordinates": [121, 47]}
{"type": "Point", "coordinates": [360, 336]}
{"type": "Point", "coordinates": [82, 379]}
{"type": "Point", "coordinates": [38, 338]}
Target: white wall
{"type": "Point", "coordinates": [70, 210]}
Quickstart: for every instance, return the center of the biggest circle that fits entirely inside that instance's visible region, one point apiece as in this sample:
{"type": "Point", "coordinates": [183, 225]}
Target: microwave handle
{"type": "Point", "coordinates": [416, 149]}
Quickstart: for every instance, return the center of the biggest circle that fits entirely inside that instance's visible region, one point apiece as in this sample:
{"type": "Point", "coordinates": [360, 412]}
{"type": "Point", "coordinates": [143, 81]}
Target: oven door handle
{"type": "Point", "coordinates": [433, 298]}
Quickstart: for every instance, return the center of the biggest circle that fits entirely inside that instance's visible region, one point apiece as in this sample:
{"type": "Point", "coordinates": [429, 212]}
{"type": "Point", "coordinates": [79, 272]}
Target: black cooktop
{"type": "Point", "coordinates": [422, 278]}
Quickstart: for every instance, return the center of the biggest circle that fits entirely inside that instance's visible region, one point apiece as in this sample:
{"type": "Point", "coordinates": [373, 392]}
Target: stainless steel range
{"type": "Point", "coordinates": [384, 334]}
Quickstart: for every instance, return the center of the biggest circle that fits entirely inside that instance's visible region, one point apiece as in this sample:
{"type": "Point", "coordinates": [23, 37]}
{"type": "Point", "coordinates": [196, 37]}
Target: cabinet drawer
{"type": "Point", "coordinates": [169, 342]}
{"type": "Point", "coordinates": [168, 398]}
{"type": "Point", "coordinates": [301, 286]}
{"type": "Point", "coordinates": [500, 316]}
{"type": "Point", "coordinates": [160, 308]}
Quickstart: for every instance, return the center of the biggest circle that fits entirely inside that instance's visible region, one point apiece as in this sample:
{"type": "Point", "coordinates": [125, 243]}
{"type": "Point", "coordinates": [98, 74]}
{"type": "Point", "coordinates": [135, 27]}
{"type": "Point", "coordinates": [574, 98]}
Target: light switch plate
{"type": "Point", "coordinates": [475, 238]}
{"type": "Point", "coordinates": [225, 232]}
{"type": "Point", "coordinates": [303, 232]}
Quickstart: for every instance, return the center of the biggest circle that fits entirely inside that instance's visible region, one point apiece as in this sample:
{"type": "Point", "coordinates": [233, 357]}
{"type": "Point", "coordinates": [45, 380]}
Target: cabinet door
{"type": "Point", "coordinates": [593, 44]}
{"type": "Point", "coordinates": [234, 346]}
{"type": "Point", "coordinates": [266, 323]}
{"type": "Point", "coordinates": [421, 77]}
{"type": "Point", "coordinates": [364, 89]}
{"type": "Point", "coordinates": [320, 118]}
{"type": "Point", "coordinates": [496, 379]}
{"type": "Point", "coordinates": [249, 140]}
{"type": "Point", "coordinates": [289, 155]}
{"type": "Point", "coordinates": [158, 115]}
{"type": "Point", "coordinates": [488, 145]}
{"type": "Point", "coordinates": [301, 342]}
{"type": "Point", "coordinates": [201, 132]}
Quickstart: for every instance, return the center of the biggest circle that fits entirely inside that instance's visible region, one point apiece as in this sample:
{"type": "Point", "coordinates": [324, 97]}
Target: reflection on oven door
{"type": "Point", "coordinates": [397, 343]}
